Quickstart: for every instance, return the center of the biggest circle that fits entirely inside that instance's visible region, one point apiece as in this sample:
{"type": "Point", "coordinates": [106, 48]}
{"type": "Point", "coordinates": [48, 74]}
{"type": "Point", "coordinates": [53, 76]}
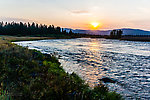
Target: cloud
{"type": "Point", "coordinates": [80, 12]}
{"type": "Point", "coordinates": [10, 19]}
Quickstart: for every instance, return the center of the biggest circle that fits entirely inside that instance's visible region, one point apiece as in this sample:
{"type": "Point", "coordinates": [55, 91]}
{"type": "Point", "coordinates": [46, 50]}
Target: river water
{"type": "Point", "coordinates": [126, 62]}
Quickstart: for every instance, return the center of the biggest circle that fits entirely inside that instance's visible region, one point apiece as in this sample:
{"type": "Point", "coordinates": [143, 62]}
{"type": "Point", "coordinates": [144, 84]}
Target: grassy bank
{"type": "Point", "coordinates": [144, 39]}
{"type": "Point", "coordinates": [30, 75]}
{"type": "Point", "coordinates": [15, 38]}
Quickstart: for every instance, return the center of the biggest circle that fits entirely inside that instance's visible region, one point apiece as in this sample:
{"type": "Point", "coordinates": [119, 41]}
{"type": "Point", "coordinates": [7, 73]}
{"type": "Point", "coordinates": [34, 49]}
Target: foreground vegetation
{"type": "Point", "coordinates": [30, 75]}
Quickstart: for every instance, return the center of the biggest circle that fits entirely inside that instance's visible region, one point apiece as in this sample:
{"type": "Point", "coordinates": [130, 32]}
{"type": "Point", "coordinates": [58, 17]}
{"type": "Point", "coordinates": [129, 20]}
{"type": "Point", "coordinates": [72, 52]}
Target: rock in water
{"type": "Point", "coordinates": [107, 80]}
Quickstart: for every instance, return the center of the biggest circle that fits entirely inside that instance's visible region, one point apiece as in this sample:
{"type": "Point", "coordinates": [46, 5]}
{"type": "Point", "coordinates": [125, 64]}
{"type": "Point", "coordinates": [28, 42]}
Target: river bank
{"type": "Point", "coordinates": [27, 38]}
{"type": "Point", "coordinates": [142, 39]}
{"type": "Point", "coordinates": [29, 74]}
{"type": "Point", "coordinates": [125, 62]}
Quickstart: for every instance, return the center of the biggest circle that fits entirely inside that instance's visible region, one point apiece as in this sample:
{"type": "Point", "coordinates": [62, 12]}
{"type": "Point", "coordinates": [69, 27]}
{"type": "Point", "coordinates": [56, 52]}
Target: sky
{"type": "Point", "coordinates": [79, 14]}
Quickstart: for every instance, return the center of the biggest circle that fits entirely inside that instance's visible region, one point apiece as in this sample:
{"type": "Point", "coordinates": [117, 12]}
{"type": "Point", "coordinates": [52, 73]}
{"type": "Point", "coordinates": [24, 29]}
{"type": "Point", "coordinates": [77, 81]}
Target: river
{"type": "Point", "coordinates": [126, 62]}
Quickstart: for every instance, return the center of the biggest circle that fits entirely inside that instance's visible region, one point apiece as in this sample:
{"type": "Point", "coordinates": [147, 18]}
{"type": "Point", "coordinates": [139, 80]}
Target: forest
{"type": "Point", "coordinates": [31, 29]}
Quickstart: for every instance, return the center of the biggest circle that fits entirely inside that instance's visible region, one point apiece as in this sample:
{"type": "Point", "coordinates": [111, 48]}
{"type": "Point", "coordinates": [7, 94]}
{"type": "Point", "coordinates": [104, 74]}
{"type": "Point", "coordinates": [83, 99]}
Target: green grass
{"type": "Point", "coordinates": [30, 75]}
{"type": "Point", "coordinates": [15, 38]}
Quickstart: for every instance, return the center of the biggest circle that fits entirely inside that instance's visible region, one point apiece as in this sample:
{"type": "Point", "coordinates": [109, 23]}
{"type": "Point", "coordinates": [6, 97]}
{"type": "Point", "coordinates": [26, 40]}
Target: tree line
{"type": "Point", "coordinates": [116, 34]}
{"type": "Point", "coordinates": [31, 29]}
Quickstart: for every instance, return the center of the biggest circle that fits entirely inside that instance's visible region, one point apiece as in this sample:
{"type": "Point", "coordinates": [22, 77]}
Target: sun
{"type": "Point", "coordinates": [95, 25]}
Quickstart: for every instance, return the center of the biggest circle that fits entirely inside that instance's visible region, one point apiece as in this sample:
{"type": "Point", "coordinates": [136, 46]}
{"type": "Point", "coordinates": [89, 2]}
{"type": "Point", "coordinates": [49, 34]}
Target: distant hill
{"type": "Point", "coordinates": [126, 31]}
{"type": "Point", "coordinates": [135, 32]}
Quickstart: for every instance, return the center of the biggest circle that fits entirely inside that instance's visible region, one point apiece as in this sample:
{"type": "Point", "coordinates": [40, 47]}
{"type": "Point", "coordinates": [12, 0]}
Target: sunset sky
{"type": "Point", "coordinates": [79, 14]}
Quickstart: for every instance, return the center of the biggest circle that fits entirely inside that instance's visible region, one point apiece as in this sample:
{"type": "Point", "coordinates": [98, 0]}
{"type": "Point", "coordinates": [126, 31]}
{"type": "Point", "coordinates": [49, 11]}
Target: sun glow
{"type": "Point", "coordinates": [95, 25]}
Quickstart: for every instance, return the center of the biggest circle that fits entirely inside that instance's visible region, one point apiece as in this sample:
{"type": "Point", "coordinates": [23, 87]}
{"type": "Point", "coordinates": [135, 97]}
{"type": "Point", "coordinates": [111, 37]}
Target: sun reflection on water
{"type": "Point", "coordinates": [94, 73]}
{"type": "Point", "coordinates": [94, 45]}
